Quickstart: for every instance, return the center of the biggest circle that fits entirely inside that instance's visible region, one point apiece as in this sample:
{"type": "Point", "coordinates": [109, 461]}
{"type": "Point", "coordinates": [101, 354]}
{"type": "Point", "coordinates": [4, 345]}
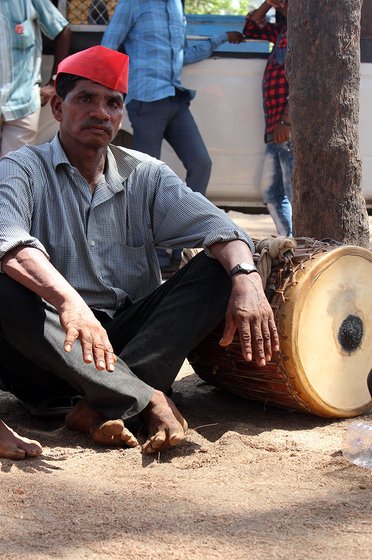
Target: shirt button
{"type": "Point", "coordinates": [92, 243]}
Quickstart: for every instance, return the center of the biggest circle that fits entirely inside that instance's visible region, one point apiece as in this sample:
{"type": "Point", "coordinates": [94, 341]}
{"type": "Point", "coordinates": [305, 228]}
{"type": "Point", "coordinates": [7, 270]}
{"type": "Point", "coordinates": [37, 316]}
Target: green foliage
{"type": "Point", "coordinates": [220, 7]}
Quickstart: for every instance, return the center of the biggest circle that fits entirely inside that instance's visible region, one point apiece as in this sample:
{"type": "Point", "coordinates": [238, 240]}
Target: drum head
{"type": "Point", "coordinates": [328, 323]}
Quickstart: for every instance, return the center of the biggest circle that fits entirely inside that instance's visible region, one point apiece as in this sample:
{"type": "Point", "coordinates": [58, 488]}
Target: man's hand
{"type": "Point", "coordinates": [46, 93]}
{"type": "Point", "coordinates": [31, 268]}
{"type": "Point", "coordinates": [79, 322]}
{"type": "Point", "coordinates": [282, 133]}
{"type": "Point", "coordinates": [250, 313]}
{"type": "Point", "coordinates": [234, 37]}
{"type": "Point", "coordinates": [277, 3]}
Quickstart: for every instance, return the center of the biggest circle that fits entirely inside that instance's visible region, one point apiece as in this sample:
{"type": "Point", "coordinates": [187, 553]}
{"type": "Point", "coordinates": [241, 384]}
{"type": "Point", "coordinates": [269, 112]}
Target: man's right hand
{"type": "Point", "coordinates": [31, 268]}
{"type": "Point", "coordinates": [80, 323]}
{"type": "Point", "coordinates": [282, 133]}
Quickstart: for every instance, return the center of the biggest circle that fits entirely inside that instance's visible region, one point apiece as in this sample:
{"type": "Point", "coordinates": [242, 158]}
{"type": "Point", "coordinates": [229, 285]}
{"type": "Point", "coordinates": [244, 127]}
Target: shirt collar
{"type": "Point", "coordinates": [58, 154]}
{"type": "Point", "coordinates": [119, 163]}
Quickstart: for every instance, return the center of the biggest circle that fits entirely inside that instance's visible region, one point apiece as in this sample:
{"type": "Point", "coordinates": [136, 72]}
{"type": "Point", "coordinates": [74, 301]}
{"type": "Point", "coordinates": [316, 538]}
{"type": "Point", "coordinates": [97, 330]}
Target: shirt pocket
{"type": "Point", "coordinates": [129, 268]}
{"type": "Point", "coordinates": [23, 35]}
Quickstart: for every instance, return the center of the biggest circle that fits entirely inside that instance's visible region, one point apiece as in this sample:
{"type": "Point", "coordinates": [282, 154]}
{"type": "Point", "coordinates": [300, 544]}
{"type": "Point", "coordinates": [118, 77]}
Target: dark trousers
{"type": "Point", "coordinates": [171, 119]}
{"type": "Point", "coordinates": [152, 337]}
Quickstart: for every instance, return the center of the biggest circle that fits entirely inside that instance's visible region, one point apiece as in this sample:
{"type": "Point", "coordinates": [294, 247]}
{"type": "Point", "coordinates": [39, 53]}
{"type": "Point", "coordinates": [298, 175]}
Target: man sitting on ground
{"type": "Point", "coordinates": [79, 222]}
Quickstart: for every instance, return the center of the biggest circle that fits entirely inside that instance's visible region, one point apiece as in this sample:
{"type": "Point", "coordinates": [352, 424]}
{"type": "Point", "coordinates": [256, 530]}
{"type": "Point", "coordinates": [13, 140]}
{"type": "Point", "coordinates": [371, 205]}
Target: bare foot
{"type": "Point", "coordinates": [84, 419]}
{"type": "Point", "coordinates": [13, 446]}
{"type": "Point", "coordinates": [165, 424]}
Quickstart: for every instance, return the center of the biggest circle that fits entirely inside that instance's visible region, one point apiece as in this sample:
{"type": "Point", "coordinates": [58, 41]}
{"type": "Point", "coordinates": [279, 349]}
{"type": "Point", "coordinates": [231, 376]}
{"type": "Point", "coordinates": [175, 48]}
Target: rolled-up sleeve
{"type": "Point", "coordinates": [183, 218]}
{"type": "Point", "coordinates": [16, 208]}
{"type": "Point", "coordinates": [50, 18]}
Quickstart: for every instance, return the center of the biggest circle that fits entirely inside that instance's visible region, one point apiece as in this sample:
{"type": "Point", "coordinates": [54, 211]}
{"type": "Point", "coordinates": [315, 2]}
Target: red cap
{"type": "Point", "coordinates": [99, 64]}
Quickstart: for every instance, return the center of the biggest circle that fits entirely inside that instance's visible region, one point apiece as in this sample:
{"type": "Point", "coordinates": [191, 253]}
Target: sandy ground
{"type": "Point", "coordinates": [251, 481]}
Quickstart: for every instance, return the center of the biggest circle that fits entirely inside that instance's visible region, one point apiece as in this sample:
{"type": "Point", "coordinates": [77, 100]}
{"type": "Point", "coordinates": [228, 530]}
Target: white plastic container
{"type": "Point", "coordinates": [357, 444]}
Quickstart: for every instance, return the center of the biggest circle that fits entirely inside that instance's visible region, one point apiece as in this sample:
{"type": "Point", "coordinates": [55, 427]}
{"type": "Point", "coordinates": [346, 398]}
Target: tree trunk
{"type": "Point", "coordinates": [323, 67]}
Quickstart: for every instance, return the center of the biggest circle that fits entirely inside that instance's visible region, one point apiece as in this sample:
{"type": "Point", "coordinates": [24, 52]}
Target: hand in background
{"type": "Point", "coordinates": [46, 93]}
{"type": "Point", "coordinates": [235, 37]}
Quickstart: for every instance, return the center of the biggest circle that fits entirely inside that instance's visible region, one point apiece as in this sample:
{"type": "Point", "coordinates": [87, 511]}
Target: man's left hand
{"type": "Point", "coordinates": [234, 37]}
{"type": "Point", "coordinates": [250, 313]}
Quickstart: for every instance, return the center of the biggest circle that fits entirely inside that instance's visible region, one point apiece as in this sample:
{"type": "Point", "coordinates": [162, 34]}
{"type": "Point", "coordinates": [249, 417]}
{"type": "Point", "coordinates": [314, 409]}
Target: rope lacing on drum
{"type": "Point", "coordinates": [273, 251]}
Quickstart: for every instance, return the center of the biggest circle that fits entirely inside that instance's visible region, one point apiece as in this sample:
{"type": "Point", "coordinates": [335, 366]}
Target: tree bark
{"type": "Point", "coordinates": [323, 67]}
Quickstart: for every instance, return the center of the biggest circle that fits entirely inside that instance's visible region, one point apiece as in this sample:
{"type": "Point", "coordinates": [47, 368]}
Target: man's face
{"type": "Point", "coordinates": [90, 114]}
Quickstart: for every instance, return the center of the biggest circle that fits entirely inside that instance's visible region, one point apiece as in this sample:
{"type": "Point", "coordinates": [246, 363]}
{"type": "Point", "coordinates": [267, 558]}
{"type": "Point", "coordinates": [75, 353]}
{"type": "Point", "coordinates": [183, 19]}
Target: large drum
{"type": "Point", "coordinates": [322, 302]}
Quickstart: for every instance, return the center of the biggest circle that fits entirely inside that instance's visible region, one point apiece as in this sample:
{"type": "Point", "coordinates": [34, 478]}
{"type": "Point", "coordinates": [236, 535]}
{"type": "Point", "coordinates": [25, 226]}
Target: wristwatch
{"type": "Point", "coordinates": [243, 268]}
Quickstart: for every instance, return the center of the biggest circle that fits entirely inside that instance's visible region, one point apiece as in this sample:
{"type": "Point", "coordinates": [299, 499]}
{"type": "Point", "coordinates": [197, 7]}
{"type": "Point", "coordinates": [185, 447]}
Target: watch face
{"type": "Point", "coordinates": [244, 268]}
{"type": "Point", "coordinates": [247, 266]}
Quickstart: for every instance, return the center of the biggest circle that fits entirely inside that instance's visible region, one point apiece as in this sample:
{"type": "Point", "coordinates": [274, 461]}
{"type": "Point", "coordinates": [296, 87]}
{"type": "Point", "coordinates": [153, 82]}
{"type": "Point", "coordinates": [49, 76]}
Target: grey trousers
{"type": "Point", "coordinates": [152, 337]}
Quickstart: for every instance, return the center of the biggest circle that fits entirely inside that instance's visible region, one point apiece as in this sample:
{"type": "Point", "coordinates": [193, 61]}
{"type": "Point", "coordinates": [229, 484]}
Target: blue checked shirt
{"type": "Point", "coordinates": [21, 24]}
{"type": "Point", "coordinates": [153, 34]}
{"type": "Point", "coordinates": [104, 243]}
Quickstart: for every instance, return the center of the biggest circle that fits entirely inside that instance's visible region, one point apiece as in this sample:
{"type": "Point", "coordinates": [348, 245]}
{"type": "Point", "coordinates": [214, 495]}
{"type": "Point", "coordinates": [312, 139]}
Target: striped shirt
{"type": "Point", "coordinates": [104, 243]}
{"type": "Point", "coordinates": [275, 84]}
{"type": "Point", "coordinates": [153, 35]}
{"type": "Point", "coordinates": [21, 24]}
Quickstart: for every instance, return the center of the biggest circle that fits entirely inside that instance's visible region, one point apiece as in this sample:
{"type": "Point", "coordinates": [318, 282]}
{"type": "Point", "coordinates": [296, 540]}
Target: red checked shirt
{"type": "Point", "coordinates": [275, 85]}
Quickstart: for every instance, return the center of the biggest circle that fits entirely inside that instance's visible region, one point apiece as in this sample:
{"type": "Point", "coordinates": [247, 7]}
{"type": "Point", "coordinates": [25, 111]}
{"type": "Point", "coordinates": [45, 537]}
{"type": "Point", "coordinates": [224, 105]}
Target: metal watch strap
{"type": "Point", "coordinates": [243, 268]}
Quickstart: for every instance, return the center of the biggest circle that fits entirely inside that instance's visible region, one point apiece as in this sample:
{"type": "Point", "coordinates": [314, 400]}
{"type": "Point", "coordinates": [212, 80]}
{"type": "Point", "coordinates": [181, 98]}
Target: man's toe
{"type": "Point", "coordinates": [176, 437]}
{"type": "Point", "coordinates": [34, 450]}
{"type": "Point", "coordinates": [15, 454]}
{"type": "Point", "coordinates": [112, 428]}
{"type": "Point", "coordinates": [156, 442]}
{"type": "Point", "coordinates": [128, 438]}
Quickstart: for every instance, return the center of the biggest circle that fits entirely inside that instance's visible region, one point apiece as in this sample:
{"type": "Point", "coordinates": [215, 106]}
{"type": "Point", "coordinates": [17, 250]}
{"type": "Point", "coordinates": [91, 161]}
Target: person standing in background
{"type": "Point", "coordinates": [153, 35]}
{"type": "Point", "coordinates": [276, 185]}
{"type": "Point", "coordinates": [21, 25]}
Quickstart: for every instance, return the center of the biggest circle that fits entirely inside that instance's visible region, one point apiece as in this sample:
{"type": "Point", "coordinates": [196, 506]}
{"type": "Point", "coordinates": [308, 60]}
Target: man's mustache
{"type": "Point", "coordinates": [97, 123]}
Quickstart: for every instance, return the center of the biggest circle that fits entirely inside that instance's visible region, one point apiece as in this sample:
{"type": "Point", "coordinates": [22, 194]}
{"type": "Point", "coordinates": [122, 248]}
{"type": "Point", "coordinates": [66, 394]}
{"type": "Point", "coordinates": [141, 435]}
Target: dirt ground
{"type": "Point", "coordinates": [251, 481]}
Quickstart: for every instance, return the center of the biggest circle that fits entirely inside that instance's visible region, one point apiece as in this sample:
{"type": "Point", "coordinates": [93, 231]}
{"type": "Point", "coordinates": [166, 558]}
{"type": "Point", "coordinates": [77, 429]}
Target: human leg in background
{"type": "Point", "coordinates": [149, 121]}
{"type": "Point", "coordinates": [171, 119]}
{"type": "Point", "coordinates": [276, 185]}
{"type": "Point", "coordinates": [17, 133]}
{"type": "Point", "coordinates": [183, 135]}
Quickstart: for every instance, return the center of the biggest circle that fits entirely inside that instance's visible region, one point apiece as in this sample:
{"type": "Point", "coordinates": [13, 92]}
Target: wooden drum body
{"type": "Point", "coordinates": [322, 302]}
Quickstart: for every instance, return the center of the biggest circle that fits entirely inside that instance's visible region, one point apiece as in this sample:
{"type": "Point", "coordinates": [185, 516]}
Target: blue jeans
{"type": "Point", "coordinates": [276, 185]}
